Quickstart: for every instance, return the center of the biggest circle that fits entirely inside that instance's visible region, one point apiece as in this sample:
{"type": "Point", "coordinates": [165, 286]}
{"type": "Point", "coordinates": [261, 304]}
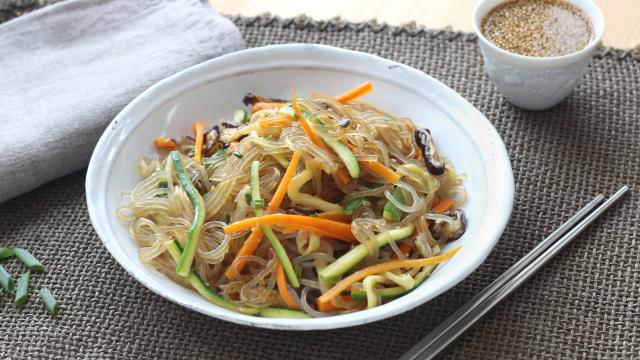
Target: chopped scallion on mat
{"type": "Point", "coordinates": [6, 281]}
{"type": "Point", "coordinates": [23, 288]}
{"type": "Point", "coordinates": [50, 302]}
{"type": "Point", "coordinates": [29, 260]}
{"type": "Point", "coordinates": [6, 253]}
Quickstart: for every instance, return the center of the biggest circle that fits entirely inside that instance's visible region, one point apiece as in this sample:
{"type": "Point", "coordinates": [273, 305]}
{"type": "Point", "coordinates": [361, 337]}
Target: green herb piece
{"type": "Point", "coordinates": [6, 253]}
{"type": "Point", "coordinates": [23, 288]}
{"type": "Point", "coordinates": [29, 260]}
{"type": "Point", "coordinates": [352, 205]}
{"type": "Point", "coordinates": [237, 154]}
{"type": "Point", "coordinates": [241, 116]}
{"type": "Point", "coordinates": [247, 198]}
{"type": "Point", "coordinates": [227, 219]}
{"type": "Point", "coordinates": [6, 281]}
{"type": "Point", "coordinates": [49, 301]}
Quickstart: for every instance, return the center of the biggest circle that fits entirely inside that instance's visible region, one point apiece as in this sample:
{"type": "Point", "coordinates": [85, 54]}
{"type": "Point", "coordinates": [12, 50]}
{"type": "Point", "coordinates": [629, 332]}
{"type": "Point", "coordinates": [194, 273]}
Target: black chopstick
{"type": "Point", "coordinates": [508, 282]}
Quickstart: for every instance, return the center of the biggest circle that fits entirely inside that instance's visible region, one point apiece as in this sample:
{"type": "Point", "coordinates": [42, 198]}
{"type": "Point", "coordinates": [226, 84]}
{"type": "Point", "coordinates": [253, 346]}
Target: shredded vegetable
{"type": "Point", "coordinates": [355, 93]}
{"type": "Point", "coordinates": [345, 283]}
{"type": "Point", "coordinates": [295, 207]}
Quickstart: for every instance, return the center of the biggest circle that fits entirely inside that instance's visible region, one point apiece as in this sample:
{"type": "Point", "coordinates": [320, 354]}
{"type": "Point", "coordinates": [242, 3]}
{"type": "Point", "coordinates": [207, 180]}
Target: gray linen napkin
{"type": "Point", "coordinates": [68, 69]}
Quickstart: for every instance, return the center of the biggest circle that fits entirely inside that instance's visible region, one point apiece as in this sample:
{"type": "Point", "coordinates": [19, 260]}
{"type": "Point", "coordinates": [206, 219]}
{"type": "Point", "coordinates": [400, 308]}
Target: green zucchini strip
{"type": "Point", "coordinates": [348, 158]}
{"type": "Point", "coordinates": [258, 204]}
{"type": "Point", "coordinates": [199, 285]}
{"type": "Point", "coordinates": [6, 281]}
{"type": "Point", "coordinates": [23, 288]}
{"type": "Point", "coordinates": [49, 301]}
{"type": "Point", "coordinates": [332, 273]}
{"type": "Point", "coordinates": [391, 212]}
{"type": "Point", "coordinates": [272, 312]}
{"type": "Point", "coordinates": [394, 292]}
{"type": "Point", "coordinates": [29, 260]}
{"type": "Point", "coordinates": [352, 205]}
{"type": "Point", "coordinates": [193, 236]}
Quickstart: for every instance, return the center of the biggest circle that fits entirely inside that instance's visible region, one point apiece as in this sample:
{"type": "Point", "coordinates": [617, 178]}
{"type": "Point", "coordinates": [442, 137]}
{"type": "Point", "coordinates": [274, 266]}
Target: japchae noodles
{"type": "Point", "coordinates": [303, 208]}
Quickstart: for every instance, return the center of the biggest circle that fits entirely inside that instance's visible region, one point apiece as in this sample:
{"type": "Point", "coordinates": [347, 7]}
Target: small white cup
{"type": "Point", "coordinates": [536, 83]}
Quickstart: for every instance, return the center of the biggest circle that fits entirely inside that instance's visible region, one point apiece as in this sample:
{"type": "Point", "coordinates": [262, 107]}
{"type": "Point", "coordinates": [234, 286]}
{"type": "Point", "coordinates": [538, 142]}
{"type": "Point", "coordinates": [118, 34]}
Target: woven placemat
{"type": "Point", "coordinates": [584, 304]}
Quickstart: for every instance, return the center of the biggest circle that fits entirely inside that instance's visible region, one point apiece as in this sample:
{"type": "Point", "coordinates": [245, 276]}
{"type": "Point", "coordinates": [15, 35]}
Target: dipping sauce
{"type": "Point", "coordinates": [537, 27]}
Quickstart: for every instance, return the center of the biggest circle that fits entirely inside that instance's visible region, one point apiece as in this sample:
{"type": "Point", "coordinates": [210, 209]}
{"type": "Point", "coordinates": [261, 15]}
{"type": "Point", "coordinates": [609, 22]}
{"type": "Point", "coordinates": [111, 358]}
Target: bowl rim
{"type": "Point", "coordinates": [491, 149]}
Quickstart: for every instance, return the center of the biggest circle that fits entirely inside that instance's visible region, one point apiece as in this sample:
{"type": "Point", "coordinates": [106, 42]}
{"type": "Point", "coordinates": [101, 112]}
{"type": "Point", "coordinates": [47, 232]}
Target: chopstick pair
{"type": "Point", "coordinates": [509, 281]}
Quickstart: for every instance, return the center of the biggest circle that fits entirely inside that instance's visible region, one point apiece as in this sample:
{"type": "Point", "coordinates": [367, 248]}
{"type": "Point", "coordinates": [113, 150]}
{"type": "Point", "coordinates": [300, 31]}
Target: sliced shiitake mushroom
{"type": "Point", "coordinates": [211, 141]}
{"type": "Point", "coordinates": [445, 231]}
{"type": "Point", "coordinates": [251, 99]}
{"type": "Point", "coordinates": [432, 159]}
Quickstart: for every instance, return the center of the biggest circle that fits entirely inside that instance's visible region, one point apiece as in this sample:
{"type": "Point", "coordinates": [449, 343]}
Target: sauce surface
{"type": "Point", "coordinates": [537, 27]}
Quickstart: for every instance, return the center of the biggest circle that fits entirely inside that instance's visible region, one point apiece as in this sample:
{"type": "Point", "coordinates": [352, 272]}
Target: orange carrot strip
{"type": "Point", "coordinates": [233, 146]}
{"type": "Point", "coordinates": [248, 248]}
{"type": "Point", "coordinates": [345, 283]}
{"type": "Point", "coordinates": [339, 230]}
{"type": "Point", "coordinates": [287, 229]}
{"type": "Point", "coordinates": [381, 170]}
{"type": "Point", "coordinates": [251, 243]}
{"type": "Point", "coordinates": [281, 280]}
{"type": "Point", "coordinates": [283, 121]}
{"type": "Point", "coordinates": [305, 125]}
{"type": "Point", "coordinates": [265, 106]}
{"type": "Point", "coordinates": [404, 248]}
{"type": "Point", "coordinates": [343, 176]}
{"type": "Point", "coordinates": [198, 129]}
{"type": "Point", "coordinates": [442, 206]}
{"type": "Point", "coordinates": [355, 93]}
{"type": "Point", "coordinates": [164, 143]}
{"type": "Point", "coordinates": [330, 307]}
{"type": "Point", "coordinates": [278, 196]}
{"type": "Point", "coordinates": [343, 218]}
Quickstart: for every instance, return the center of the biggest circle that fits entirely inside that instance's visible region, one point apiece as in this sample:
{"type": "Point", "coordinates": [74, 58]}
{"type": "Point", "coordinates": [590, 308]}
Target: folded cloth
{"type": "Point", "coordinates": [68, 69]}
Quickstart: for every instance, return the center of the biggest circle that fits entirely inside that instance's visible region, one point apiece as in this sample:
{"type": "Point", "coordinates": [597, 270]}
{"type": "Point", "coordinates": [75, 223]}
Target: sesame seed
{"type": "Point", "coordinates": [537, 27]}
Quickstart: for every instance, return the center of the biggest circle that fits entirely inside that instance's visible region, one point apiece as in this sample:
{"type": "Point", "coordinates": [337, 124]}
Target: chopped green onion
{"type": "Point", "coordinates": [237, 154]}
{"type": "Point", "coordinates": [6, 281]}
{"type": "Point", "coordinates": [241, 116]}
{"type": "Point", "coordinates": [29, 260]}
{"type": "Point", "coordinates": [219, 152]}
{"type": "Point", "coordinates": [6, 253]}
{"type": "Point", "coordinates": [23, 288]}
{"type": "Point", "coordinates": [255, 187]}
{"type": "Point", "coordinates": [247, 198]}
{"type": "Point", "coordinates": [352, 205]}
{"type": "Point", "coordinates": [227, 219]}
{"type": "Point", "coordinates": [49, 301]}
{"type": "Point", "coordinates": [258, 204]}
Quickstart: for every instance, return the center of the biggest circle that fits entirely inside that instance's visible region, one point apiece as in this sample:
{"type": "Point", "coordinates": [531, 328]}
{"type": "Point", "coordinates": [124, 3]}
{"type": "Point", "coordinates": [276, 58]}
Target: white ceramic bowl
{"type": "Point", "coordinates": [214, 89]}
{"type": "Point", "coordinates": [537, 83]}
